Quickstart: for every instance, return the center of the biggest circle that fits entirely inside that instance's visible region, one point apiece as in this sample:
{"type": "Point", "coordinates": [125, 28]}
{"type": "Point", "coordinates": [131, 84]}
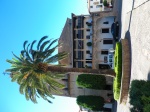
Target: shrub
{"type": "Point", "coordinates": [86, 66]}
{"type": "Point", "coordinates": [135, 94]}
{"type": "Point", "coordinates": [147, 108]}
{"type": "Point", "coordinates": [145, 100]}
{"type": "Point", "coordinates": [91, 81]}
{"type": "Point", "coordinates": [118, 70]}
{"type": "Point", "coordinates": [105, 3]}
{"type": "Point", "coordinates": [95, 103]}
{"type": "Point", "coordinates": [140, 94]}
{"type": "Point", "coordinates": [89, 44]}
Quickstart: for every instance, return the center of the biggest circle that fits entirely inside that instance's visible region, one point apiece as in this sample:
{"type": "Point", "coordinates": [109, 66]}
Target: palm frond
{"type": "Point", "coordinates": [57, 57]}
{"type": "Point", "coordinates": [23, 54]}
{"type": "Point", "coordinates": [55, 75]}
{"type": "Point", "coordinates": [17, 57]}
{"type": "Point", "coordinates": [20, 78]}
{"type": "Point", "coordinates": [22, 87]}
{"type": "Point", "coordinates": [29, 70]}
{"type": "Point", "coordinates": [49, 52]}
{"type": "Point", "coordinates": [41, 40]}
{"type": "Point", "coordinates": [15, 76]}
{"type": "Point", "coordinates": [54, 83]}
{"type": "Point", "coordinates": [44, 97]}
{"type": "Point", "coordinates": [33, 95]}
{"type": "Point", "coordinates": [31, 47]}
{"type": "Point", "coordinates": [10, 61]}
{"type": "Point", "coordinates": [51, 43]}
{"type": "Point", "coordinates": [43, 45]}
{"type": "Point", "coordinates": [55, 90]}
{"type": "Point", "coordinates": [24, 44]}
{"type": "Point", "coordinates": [27, 53]}
{"type": "Point", "coordinates": [27, 95]}
{"type": "Point", "coordinates": [12, 70]}
{"type": "Point", "coordinates": [25, 70]}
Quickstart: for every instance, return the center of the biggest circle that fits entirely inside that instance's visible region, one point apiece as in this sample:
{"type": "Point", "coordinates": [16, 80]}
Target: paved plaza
{"type": "Point", "coordinates": [135, 26]}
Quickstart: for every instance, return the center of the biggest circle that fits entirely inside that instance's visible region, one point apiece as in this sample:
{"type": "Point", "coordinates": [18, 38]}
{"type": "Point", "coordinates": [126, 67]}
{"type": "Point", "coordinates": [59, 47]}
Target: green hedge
{"type": "Point", "coordinates": [95, 103]}
{"type": "Point", "coordinates": [105, 3]}
{"type": "Point", "coordinates": [147, 108]}
{"type": "Point", "coordinates": [140, 95]}
{"type": "Point", "coordinates": [91, 81]}
{"type": "Point", "coordinates": [118, 70]}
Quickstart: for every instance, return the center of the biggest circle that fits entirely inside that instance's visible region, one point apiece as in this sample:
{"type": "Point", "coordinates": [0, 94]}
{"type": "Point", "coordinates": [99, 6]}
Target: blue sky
{"type": "Point", "coordinates": [22, 20]}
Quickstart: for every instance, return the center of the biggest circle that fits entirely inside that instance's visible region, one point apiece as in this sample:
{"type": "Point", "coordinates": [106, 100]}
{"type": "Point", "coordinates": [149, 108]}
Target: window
{"type": "Point", "coordinates": [106, 22]}
{"type": "Point", "coordinates": [79, 33]}
{"type": "Point", "coordinates": [88, 52]}
{"type": "Point", "coordinates": [87, 29]}
{"type": "Point", "coordinates": [91, 6]}
{"type": "Point", "coordinates": [107, 41]}
{"type": "Point", "coordinates": [80, 54]}
{"type": "Point", "coordinates": [96, 3]}
{"type": "Point", "coordinates": [105, 59]}
{"type": "Point", "coordinates": [105, 30]}
{"type": "Point", "coordinates": [101, 1]}
{"type": "Point", "coordinates": [80, 44]}
{"type": "Point", "coordinates": [98, 6]}
{"type": "Point", "coordinates": [88, 61]}
{"type": "Point", "coordinates": [77, 36]}
{"type": "Point", "coordinates": [104, 52]}
{"type": "Point", "coordinates": [110, 56]}
{"type": "Point", "coordinates": [79, 64]}
{"type": "Point", "coordinates": [88, 37]}
{"type": "Point", "coordinates": [104, 66]}
{"type": "Point", "coordinates": [89, 24]}
{"type": "Point", "coordinates": [110, 60]}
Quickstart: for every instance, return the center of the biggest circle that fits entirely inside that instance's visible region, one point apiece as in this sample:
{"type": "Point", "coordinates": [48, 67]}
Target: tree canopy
{"type": "Point", "coordinates": [30, 71]}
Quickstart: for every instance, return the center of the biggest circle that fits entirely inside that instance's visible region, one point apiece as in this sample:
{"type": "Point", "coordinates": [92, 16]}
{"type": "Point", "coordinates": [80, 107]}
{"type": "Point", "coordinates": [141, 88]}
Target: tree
{"type": "Point", "coordinates": [34, 72]}
{"type": "Point", "coordinates": [95, 103]}
{"type": "Point", "coordinates": [91, 81]}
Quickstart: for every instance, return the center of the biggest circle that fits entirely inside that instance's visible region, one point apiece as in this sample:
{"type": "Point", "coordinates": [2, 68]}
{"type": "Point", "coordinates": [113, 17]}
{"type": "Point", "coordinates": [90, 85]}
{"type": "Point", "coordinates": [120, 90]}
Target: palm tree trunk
{"type": "Point", "coordinates": [106, 72]}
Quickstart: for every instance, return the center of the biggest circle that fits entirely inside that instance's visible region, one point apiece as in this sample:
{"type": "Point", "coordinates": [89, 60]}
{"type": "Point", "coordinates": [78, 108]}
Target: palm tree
{"type": "Point", "coordinates": [36, 75]}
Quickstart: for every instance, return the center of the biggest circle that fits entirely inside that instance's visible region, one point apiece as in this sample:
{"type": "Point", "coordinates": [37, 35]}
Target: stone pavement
{"type": "Point", "coordinates": [135, 19]}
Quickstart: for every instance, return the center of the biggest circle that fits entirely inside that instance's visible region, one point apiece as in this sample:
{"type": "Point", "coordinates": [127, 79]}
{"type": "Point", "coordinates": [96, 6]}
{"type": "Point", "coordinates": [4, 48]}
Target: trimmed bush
{"type": "Point", "coordinates": [145, 99]}
{"type": "Point", "coordinates": [105, 3]}
{"type": "Point", "coordinates": [147, 108]}
{"type": "Point", "coordinates": [91, 81]}
{"type": "Point", "coordinates": [118, 70]}
{"type": "Point", "coordinates": [95, 103]}
{"type": "Point", "coordinates": [140, 95]}
{"type": "Point", "coordinates": [89, 44]}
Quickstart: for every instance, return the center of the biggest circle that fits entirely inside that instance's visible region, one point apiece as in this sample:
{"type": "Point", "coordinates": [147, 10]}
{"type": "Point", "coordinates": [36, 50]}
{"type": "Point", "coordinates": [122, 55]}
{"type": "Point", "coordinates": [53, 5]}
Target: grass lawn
{"type": "Point", "coordinates": [118, 71]}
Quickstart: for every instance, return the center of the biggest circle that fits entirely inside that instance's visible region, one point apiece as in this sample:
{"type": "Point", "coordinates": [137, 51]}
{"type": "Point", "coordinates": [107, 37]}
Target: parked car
{"type": "Point", "coordinates": [115, 30]}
